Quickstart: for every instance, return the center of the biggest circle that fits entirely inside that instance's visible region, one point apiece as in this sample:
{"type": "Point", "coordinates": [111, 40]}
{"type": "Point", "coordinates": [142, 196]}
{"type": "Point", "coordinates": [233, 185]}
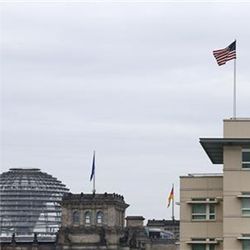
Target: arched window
{"type": "Point", "coordinates": [99, 217]}
{"type": "Point", "coordinates": [87, 217]}
{"type": "Point", "coordinates": [76, 217]}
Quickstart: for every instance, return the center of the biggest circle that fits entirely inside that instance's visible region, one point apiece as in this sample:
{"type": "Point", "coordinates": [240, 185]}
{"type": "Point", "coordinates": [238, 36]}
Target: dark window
{"type": "Point", "coordinates": [76, 217]}
{"type": "Point", "coordinates": [246, 158]}
{"type": "Point", "coordinates": [246, 244]}
{"type": "Point", "coordinates": [203, 211]}
{"type": "Point", "coordinates": [203, 247]}
{"type": "Point", "coordinates": [245, 206]}
{"type": "Point", "coordinates": [99, 217]}
{"type": "Point", "coordinates": [87, 217]}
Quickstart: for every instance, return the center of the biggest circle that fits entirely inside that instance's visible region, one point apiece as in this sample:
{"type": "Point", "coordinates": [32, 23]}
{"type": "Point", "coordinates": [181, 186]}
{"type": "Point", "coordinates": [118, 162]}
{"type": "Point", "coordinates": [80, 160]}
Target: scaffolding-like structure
{"type": "Point", "coordinates": [29, 202]}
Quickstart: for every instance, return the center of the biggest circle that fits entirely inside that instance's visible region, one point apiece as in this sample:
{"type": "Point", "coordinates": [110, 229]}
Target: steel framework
{"type": "Point", "coordinates": [29, 202]}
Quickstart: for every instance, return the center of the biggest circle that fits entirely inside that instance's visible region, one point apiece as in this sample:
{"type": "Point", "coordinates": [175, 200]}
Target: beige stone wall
{"type": "Point", "coordinates": [199, 187]}
{"type": "Point", "coordinates": [231, 244]}
{"type": "Point", "coordinates": [236, 181]}
{"type": "Point", "coordinates": [237, 128]}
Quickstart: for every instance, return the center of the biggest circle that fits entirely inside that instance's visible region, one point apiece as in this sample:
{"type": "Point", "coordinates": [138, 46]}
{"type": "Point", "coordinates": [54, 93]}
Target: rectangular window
{"type": "Point", "coordinates": [211, 211]}
{"type": "Point", "coordinates": [199, 212]}
{"type": "Point", "coordinates": [246, 244]}
{"type": "Point", "coordinates": [198, 247]}
{"type": "Point", "coordinates": [203, 247]}
{"type": "Point", "coordinates": [245, 208]}
{"type": "Point", "coordinates": [203, 211]}
{"type": "Point", "coordinates": [246, 158]}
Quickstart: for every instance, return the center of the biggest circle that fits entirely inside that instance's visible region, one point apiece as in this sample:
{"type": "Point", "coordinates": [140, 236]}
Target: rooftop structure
{"type": "Point", "coordinates": [172, 226]}
{"type": "Point", "coordinates": [29, 202]}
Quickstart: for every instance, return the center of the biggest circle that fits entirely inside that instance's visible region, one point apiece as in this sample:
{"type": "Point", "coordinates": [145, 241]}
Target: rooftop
{"type": "Point", "coordinates": [201, 175]}
{"type": "Point", "coordinates": [135, 218]}
{"type": "Point", "coordinates": [163, 222]}
{"type": "Point", "coordinates": [91, 198]}
{"type": "Point", "coordinates": [247, 119]}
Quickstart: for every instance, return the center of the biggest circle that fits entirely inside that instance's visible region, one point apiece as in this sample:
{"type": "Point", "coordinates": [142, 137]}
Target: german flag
{"type": "Point", "coordinates": [171, 196]}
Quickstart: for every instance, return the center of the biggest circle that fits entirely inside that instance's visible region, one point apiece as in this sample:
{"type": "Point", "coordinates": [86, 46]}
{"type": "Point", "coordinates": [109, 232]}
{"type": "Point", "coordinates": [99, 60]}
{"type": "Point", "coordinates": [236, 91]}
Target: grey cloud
{"type": "Point", "coordinates": [135, 81]}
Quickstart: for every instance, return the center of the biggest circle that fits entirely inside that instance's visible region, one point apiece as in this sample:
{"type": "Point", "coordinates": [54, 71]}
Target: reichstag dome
{"type": "Point", "coordinates": [29, 202]}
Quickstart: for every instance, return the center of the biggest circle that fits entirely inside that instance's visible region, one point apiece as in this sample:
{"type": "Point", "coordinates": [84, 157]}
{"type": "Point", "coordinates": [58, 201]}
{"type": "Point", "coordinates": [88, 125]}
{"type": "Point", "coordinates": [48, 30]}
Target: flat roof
{"type": "Point", "coordinates": [203, 175]}
{"type": "Point", "coordinates": [214, 146]}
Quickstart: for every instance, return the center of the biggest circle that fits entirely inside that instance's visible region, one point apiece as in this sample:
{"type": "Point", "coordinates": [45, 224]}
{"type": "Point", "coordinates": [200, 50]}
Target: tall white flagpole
{"type": "Point", "coordinates": [234, 103]}
{"type": "Point", "coordinates": [234, 93]}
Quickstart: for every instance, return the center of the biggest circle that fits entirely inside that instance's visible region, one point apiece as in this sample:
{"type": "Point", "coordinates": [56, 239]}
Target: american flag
{"type": "Point", "coordinates": [224, 55]}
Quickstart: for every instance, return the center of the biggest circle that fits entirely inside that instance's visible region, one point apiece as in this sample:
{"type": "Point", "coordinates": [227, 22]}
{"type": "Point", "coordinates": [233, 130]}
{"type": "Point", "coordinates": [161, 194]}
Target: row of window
{"type": "Point", "coordinates": [206, 211]}
{"type": "Point", "coordinates": [87, 217]}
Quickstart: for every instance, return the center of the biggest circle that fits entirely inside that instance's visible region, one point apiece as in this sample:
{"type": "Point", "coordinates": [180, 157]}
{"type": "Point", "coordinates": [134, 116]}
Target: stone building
{"type": "Point", "coordinates": [91, 221]}
{"type": "Point", "coordinates": [215, 208]}
{"type": "Point", "coordinates": [96, 221]}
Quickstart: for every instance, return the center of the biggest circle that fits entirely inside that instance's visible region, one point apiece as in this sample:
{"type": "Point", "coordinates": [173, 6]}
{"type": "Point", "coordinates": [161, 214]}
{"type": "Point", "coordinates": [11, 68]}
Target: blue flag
{"type": "Point", "coordinates": [93, 168]}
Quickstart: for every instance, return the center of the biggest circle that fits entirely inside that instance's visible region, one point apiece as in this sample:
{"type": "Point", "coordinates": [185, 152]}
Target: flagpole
{"type": "Point", "coordinates": [94, 176]}
{"type": "Point", "coordinates": [94, 184]}
{"type": "Point", "coordinates": [234, 103]}
{"type": "Point", "coordinates": [222, 56]}
{"type": "Point", "coordinates": [173, 204]}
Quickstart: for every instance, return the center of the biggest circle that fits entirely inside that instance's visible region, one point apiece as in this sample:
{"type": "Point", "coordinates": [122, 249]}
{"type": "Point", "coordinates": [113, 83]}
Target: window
{"type": "Point", "coordinates": [203, 244]}
{"type": "Point", "coordinates": [203, 212]}
{"type": "Point", "coordinates": [246, 158]}
{"type": "Point", "coordinates": [246, 244]}
{"type": "Point", "coordinates": [245, 206]}
{"type": "Point", "coordinates": [99, 217]}
{"type": "Point", "coordinates": [87, 217]}
{"type": "Point", "coordinates": [203, 247]}
{"type": "Point", "coordinates": [76, 217]}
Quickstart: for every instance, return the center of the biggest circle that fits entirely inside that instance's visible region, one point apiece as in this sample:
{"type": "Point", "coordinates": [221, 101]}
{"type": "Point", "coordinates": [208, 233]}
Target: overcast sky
{"type": "Point", "coordinates": [137, 82]}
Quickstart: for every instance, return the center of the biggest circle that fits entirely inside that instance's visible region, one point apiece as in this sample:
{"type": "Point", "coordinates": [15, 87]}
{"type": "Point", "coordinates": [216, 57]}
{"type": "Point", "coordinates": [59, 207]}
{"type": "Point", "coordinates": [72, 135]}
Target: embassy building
{"type": "Point", "coordinates": [215, 208]}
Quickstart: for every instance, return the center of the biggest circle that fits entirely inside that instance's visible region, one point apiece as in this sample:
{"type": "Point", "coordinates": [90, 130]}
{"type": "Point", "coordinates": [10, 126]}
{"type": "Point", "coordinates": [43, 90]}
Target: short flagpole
{"type": "Point", "coordinates": [234, 103]}
{"type": "Point", "coordinates": [173, 204]}
{"type": "Point", "coordinates": [94, 176]}
{"type": "Point", "coordinates": [94, 184]}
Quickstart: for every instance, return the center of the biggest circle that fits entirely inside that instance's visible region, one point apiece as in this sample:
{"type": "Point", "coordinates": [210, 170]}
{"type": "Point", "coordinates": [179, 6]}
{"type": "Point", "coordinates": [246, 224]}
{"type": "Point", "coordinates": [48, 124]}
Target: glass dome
{"type": "Point", "coordinates": [29, 202]}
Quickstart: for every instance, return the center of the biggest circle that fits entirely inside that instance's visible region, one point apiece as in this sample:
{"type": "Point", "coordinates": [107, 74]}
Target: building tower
{"type": "Point", "coordinates": [92, 221]}
{"type": "Point", "coordinates": [215, 209]}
